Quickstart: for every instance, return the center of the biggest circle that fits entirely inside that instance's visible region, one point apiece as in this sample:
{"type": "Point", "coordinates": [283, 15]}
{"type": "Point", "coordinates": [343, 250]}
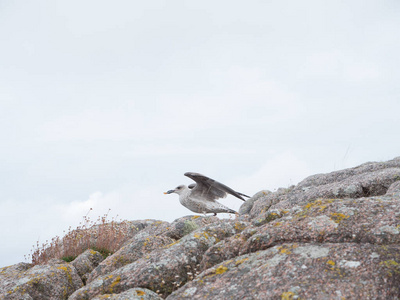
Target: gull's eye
{"type": "Point", "coordinates": [179, 187]}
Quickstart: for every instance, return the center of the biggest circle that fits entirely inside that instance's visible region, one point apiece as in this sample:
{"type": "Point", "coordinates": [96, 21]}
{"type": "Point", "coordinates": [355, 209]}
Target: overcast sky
{"type": "Point", "coordinates": [105, 104]}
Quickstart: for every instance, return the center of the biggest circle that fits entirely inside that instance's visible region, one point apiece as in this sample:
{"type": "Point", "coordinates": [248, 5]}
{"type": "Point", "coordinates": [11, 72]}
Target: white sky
{"type": "Point", "coordinates": [105, 104]}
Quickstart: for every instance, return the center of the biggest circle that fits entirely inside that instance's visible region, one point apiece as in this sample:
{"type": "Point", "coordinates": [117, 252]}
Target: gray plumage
{"type": "Point", "coordinates": [200, 197]}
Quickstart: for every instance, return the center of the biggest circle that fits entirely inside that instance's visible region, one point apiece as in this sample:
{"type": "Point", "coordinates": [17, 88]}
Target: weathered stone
{"type": "Point", "coordinates": [226, 249]}
{"type": "Point", "coordinates": [185, 225]}
{"type": "Point", "coordinates": [372, 179]}
{"type": "Point", "coordinates": [162, 270]}
{"type": "Point", "coordinates": [86, 262]}
{"type": "Point", "coordinates": [132, 294]}
{"type": "Point", "coordinates": [246, 207]}
{"type": "Point", "coordinates": [302, 271]}
{"type": "Point", "coordinates": [143, 243]}
{"type": "Point", "coordinates": [55, 281]}
{"type": "Point", "coordinates": [394, 189]}
{"type": "Point", "coordinates": [366, 220]}
{"type": "Point", "coordinates": [268, 216]}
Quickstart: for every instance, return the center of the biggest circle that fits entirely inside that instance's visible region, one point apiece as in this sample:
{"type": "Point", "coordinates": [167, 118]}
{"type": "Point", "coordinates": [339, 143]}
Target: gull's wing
{"type": "Point", "coordinates": [210, 189]}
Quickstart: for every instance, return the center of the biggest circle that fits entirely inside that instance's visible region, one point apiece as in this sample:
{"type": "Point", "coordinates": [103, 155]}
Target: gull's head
{"type": "Point", "coordinates": [178, 190]}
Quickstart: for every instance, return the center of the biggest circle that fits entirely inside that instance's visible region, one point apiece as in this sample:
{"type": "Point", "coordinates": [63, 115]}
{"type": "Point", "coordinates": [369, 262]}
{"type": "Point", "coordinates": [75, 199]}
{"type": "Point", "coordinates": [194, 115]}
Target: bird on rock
{"type": "Point", "coordinates": [200, 197]}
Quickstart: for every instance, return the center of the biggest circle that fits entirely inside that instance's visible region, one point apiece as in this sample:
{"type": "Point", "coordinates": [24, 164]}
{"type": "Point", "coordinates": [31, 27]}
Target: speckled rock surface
{"type": "Point", "coordinates": [165, 269]}
{"type": "Point", "coordinates": [246, 207]}
{"type": "Point", "coordinates": [86, 262]}
{"type": "Point", "coordinates": [370, 179]}
{"type": "Point", "coordinates": [374, 220]}
{"type": "Point", "coordinates": [132, 294]}
{"type": "Point", "coordinates": [141, 244]}
{"type": "Point", "coordinates": [185, 225]}
{"type": "Point", "coordinates": [302, 271]}
{"type": "Point", "coordinates": [51, 281]}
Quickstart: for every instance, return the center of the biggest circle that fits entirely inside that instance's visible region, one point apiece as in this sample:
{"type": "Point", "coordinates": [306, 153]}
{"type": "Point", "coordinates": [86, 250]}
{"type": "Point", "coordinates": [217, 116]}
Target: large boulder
{"type": "Point", "coordinates": [86, 262]}
{"type": "Point", "coordinates": [55, 280]}
{"type": "Point", "coordinates": [139, 245]}
{"type": "Point", "coordinates": [302, 271]}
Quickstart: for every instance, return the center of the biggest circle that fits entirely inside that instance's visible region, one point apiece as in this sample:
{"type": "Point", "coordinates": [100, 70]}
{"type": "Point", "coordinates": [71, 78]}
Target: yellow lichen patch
{"type": "Point", "coordinates": [240, 261]}
{"type": "Point", "coordinates": [287, 296]}
{"type": "Point", "coordinates": [331, 262]}
{"type": "Point", "coordinates": [140, 293]}
{"type": "Point", "coordinates": [114, 283]}
{"type": "Point", "coordinates": [67, 271]}
{"type": "Point", "coordinates": [169, 245]}
{"type": "Point", "coordinates": [338, 217]}
{"type": "Point", "coordinates": [204, 234]}
{"type": "Point", "coordinates": [277, 224]}
{"type": "Point", "coordinates": [287, 250]}
{"type": "Point", "coordinates": [284, 250]}
{"type": "Point", "coordinates": [221, 270]}
{"type": "Point", "coordinates": [195, 217]}
{"type": "Point", "coordinates": [239, 226]}
{"type": "Point", "coordinates": [104, 296]}
{"type": "Point", "coordinates": [392, 265]}
{"type": "Point", "coordinates": [319, 203]}
{"type": "Point", "coordinates": [146, 242]}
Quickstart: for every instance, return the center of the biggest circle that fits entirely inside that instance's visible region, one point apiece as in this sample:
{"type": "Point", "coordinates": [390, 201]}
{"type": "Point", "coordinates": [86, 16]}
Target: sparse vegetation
{"type": "Point", "coordinates": [103, 235]}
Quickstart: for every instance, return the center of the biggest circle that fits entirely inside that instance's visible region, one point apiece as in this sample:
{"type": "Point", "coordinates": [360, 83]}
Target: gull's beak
{"type": "Point", "coordinates": [169, 192]}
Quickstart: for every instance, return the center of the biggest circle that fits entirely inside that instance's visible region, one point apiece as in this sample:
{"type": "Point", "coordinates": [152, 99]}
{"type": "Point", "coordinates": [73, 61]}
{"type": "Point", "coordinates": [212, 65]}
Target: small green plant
{"type": "Point", "coordinates": [68, 258]}
{"type": "Point", "coordinates": [103, 251]}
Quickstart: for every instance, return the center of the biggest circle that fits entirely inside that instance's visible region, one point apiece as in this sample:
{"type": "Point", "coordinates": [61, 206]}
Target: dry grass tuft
{"type": "Point", "coordinates": [103, 235]}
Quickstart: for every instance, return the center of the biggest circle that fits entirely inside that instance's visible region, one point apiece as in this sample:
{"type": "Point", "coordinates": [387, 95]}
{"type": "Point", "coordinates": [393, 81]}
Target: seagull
{"type": "Point", "coordinates": [200, 197]}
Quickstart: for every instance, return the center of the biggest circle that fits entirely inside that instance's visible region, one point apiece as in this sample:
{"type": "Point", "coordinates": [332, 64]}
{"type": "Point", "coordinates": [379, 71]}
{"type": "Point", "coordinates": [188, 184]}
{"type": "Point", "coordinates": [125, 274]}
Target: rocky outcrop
{"type": "Point", "coordinates": [55, 280]}
{"type": "Point", "coordinates": [332, 236]}
{"type": "Point", "coordinates": [163, 270]}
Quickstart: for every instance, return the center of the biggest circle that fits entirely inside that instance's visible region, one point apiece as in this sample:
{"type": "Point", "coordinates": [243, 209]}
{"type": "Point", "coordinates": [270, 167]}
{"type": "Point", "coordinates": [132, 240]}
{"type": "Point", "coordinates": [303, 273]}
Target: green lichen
{"type": "Point", "coordinates": [392, 266]}
{"type": "Point", "coordinates": [189, 226]}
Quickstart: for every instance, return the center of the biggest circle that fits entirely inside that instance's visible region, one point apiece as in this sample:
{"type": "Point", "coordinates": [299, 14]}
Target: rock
{"type": "Point", "coordinates": [302, 271]}
{"type": "Point", "coordinates": [86, 262]}
{"type": "Point", "coordinates": [139, 245]}
{"type": "Point", "coordinates": [226, 249]}
{"type": "Point", "coordinates": [162, 270]}
{"type": "Point", "coordinates": [268, 216]}
{"type": "Point", "coordinates": [371, 179]}
{"type": "Point", "coordinates": [132, 294]}
{"type": "Point", "coordinates": [185, 225]}
{"type": "Point", "coordinates": [246, 207]}
{"type": "Point", "coordinates": [393, 189]}
{"type": "Point", "coordinates": [365, 220]}
{"type": "Point", "coordinates": [51, 281]}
